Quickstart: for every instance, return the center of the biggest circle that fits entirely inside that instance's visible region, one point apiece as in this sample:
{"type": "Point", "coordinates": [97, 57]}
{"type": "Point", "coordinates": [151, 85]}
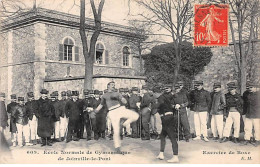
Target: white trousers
{"type": "Point", "coordinates": [217, 125]}
{"type": "Point", "coordinates": [109, 126]}
{"type": "Point", "coordinates": [33, 128]}
{"type": "Point", "coordinates": [63, 126]}
{"type": "Point", "coordinates": [115, 116]}
{"type": "Point", "coordinates": [200, 123]}
{"type": "Point", "coordinates": [57, 129]}
{"type": "Point", "coordinates": [233, 118]}
{"type": "Point", "coordinates": [251, 123]}
{"type": "Point", "coordinates": [191, 120]}
{"type": "Point", "coordinates": [23, 131]}
{"type": "Point", "coordinates": [14, 137]}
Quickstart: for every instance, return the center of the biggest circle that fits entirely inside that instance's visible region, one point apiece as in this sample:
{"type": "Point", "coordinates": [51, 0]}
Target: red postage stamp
{"type": "Point", "coordinates": [211, 25]}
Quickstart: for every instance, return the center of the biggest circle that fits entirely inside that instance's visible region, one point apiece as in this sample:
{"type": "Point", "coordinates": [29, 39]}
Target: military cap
{"type": "Point", "coordinates": [75, 93]}
{"type": "Point", "coordinates": [156, 89]}
{"type": "Point", "coordinates": [177, 86]}
{"type": "Point", "coordinates": [232, 85]}
{"type": "Point", "coordinates": [85, 91]}
{"type": "Point", "coordinates": [2, 94]}
{"type": "Point", "coordinates": [30, 94]}
{"type": "Point", "coordinates": [134, 89]}
{"type": "Point", "coordinates": [110, 82]}
{"type": "Point", "coordinates": [101, 93]}
{"type": "Point", "coordinates": [217, 85]}
{"type": "Point", "coordinates": [13, 96]}
{"type": "Point", "coordinates": [121, 90]}
{"type": "Point", "coordinates": [91, 91]}
{"type": "Point", "coordinates": [253, 84]}
{"type": "Point", "coordinates": [69, 93]}
{"type": "Point", "coordinates": [144, 87]}
{"type": "Point", "coordinates": [126, 90]}
{"type": "Point", "coordinates": [54, 94]}
{"type": "Point", "coordinates": [105, 91]}
{"type": "Point", "coordinates": [180, 82]}
{"type": "Point", "coordinates": [96, 92]}
{"type": "Point", "coordinates": [167, 86]}
{"type": "Point", "coordinates": [199, 83]}
{"type": "Point", "coordinates": [44, 91]}
{"type": "Point", "coordinates": [20, 98]}
{"type": "Point", "coordinates": [63, 93]}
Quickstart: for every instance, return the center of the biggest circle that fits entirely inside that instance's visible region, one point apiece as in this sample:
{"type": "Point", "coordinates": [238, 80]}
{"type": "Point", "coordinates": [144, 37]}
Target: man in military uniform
{"type": "Point", "coordinates": [101, 118]}
{"type": "Point", "coordinates": [202, 105]}
{"type": "Point", "coordinates": [146, 104]}
{"type": "Point", "coordinates": [253, 114]}
{"type": "Point", "coordinates": [3, 113]}
{"type": "Point", "coordinates": [134, 99]}
{"type": "Point", "coordinates": [45, 115]}
{"type": "Point", "coordinates": [56, 119]}
{"type": "Point", "coordinates": [10, 110]}
{"type": "Point", "coordinates": [218, 104]}
{"type": "Point", "coordinates": [63, 118]}
{"type": "Point", "coordinates": [234, 108]}
{"type": "Point", "coordinates": [72, 110]}
{"type": "Point", "coordinates": [180, 97]}
{"type": "Point", "coordinates": [32, 107]}
{"type": "Point", "coordinates": [87, 107]}
{"type": "Point", "coordinates": [169, 123]}
{"type": "Point", "coordinates": [21, 116]}
{"type": "Point", "coordinates": [191, 98]}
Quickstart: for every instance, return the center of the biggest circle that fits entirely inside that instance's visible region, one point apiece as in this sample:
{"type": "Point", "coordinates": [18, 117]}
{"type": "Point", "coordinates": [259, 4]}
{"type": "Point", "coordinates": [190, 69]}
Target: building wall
{"type": "Point", "coordinates": [3, 62]}
{"type": "Point", "coordinates": [114, 44]}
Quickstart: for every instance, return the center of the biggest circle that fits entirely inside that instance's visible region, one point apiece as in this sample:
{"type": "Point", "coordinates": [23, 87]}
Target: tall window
{"type": "Point", "coordinates": [68, 51]}
{"type": "Point", "coordinates": [68, 45]}
{"type": "Point", "coordinates": [126, 54]}
{"type": "Point", "coordinates": [99, 53]}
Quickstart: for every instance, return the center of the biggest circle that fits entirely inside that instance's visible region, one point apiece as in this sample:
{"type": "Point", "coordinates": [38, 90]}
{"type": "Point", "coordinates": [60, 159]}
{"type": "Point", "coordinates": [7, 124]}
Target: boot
{"type": "Point", "coordinates": [34, 142]}
{"type": "Point", "coordinates": [14, 144]}
{"type": "Point", "coordinates": [160, 156]}
{"type": "Point", "coordinates": [235, 140]}
{"type": "Point", "coordinates": [111, 137]}
{"type": "Point", "coordinates": [48, 141]}
{"type": "Point", "coordinates": [96, 136]}
{"type": "Point", "coordinates": [62, 138]}
{"type": "Point", "coordinates": [225, 139]}
{"type": "Point", "coordinates": [205, 139]}
{"type": "Point", "coordinates": [174, 159]}
{"type": "Point", "coordinates": [39, 141]}
{"type": "Point", "coordinates": [28, 144]}
{"type": "Point", "coordinates": [196, 138]}
{"type": "Point", "coordinates": [44, 141]}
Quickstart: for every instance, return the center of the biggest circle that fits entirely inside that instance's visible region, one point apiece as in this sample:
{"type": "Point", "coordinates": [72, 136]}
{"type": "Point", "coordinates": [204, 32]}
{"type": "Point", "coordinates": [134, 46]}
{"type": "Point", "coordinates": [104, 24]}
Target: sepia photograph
{"type": "Point", "coordinates": [129, 82]}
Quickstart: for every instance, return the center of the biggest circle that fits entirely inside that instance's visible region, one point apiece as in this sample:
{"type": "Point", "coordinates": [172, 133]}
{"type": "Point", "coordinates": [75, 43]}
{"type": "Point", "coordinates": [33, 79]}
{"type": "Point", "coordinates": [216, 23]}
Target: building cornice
{"type": "Point", "coordinates": [95, 76]}
{"type": "Point", "coordinates": [52, 16]}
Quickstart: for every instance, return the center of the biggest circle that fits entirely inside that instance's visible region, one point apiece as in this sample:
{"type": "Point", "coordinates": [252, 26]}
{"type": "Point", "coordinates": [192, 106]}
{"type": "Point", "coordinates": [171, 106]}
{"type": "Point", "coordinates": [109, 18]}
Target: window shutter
{"type": "Point", "coordinates": [106, 57]}
{"type": "Point", "coordinates": [76, 53]}
{"type": "Point", "coordinates": [61, 51]}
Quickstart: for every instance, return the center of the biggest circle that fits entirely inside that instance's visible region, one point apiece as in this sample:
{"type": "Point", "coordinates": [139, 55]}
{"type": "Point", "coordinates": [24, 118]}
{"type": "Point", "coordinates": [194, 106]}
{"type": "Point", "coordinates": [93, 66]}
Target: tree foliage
{"type": "Point", "coordinates": [160, 63]}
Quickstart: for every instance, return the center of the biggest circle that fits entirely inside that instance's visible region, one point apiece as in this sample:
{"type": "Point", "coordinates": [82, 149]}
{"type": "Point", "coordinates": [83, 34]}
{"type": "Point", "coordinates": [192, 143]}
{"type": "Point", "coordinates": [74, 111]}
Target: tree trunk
{"type": "Point", "coordinates": [88, 72]}
{"type": "Point", "coordinates": [140, 59]}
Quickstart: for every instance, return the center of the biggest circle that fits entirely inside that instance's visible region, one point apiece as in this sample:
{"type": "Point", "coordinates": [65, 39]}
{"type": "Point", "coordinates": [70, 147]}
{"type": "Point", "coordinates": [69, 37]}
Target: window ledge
{"type": "Point", "coordinates": [126, 67]}
{"type": "Point", "coordinates": [103, 65]}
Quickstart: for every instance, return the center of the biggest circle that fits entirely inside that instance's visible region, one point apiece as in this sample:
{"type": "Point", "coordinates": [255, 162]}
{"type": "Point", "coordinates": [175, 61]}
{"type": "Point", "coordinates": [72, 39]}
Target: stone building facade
{"type": "Point", "coordinates": [42, 49]}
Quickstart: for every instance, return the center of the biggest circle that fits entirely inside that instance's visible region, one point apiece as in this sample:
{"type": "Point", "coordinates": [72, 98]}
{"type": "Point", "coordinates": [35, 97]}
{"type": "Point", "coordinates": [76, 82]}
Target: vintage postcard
{"type": "Point", "coordinates": [129, 82]}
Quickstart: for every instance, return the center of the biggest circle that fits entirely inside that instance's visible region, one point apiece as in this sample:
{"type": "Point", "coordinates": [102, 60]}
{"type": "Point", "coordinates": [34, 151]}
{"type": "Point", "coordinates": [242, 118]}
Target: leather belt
{"type": "Point", "coordinates": [114, 107]}
{"type": "Point", "coordinates": [167, 113]}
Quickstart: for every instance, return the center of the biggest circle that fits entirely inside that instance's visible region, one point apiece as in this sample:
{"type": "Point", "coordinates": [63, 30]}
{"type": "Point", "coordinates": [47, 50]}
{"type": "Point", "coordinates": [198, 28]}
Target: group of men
{"type": "Point", "coordinates": [152, 112]}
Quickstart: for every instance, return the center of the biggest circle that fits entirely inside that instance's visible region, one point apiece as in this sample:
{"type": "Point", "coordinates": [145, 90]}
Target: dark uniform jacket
{"type": "Point", "coordinates": [10, 110]}
{"type": "Point", "coordinates": [32, 108]}
{"type": "Point", "coordinates": [57, 110]}
{"type": "Point", "coordinates": [233, 101]}
{"type": "Point", "coordinates": [45, 115]}
{"type": "Point", "coordinates": [73, 110]}
{"type": "Point", "coordinates": [165, 103]}
{"type": "Point", "coordinates": [147, 100]}
{"type": "Point", "coordinates": [192, 99]}
{"type": "Point", "coordinates": [3, 115]}
{"type": "Point", "coordinates": [253, 108]}
{"type": "Point", "coordinates": [61, 107]}
{"type": "Point", "coordinates": [21, 115]}
{"type": "Point", "coordinates": [245, 100]}
{"type": "Point", "coordinates": [202, 100]}
{"type": "Point", "coordinates": [218, 103]}
{"type": "Point", "coordinates": [181, 99]}
{"type": "Point", "coordinates": [132, 102]}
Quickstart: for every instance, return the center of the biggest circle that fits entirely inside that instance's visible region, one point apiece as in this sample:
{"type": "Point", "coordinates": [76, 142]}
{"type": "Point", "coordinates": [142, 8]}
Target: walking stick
{"type": "Point", "coordinates": [178, 124]}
